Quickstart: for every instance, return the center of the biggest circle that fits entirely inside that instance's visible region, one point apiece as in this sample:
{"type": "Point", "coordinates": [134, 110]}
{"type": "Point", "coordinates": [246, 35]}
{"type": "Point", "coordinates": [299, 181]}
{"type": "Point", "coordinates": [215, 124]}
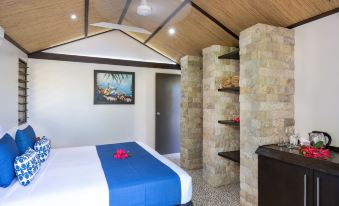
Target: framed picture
{"type": "Point", "coordinates": [114, 87]}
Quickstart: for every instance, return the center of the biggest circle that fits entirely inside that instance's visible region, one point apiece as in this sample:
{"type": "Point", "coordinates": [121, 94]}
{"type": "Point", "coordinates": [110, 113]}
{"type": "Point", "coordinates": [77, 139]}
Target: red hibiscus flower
{"type": "Point", "coordinates": [237, 120]}
{"type": "Point", "coordinates": [312, 152]}
{"type": "Point", "coordinates": [121, 154]}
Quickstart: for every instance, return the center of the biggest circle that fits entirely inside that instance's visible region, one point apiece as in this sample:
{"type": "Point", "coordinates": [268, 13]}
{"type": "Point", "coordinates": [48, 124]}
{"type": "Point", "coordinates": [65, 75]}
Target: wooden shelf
{"type": "Point", "coordinates": [230, 89]}
{"type": "Point", "coordinates": [229, 122]}
{"type": "Point", "coordinates": [231, 55]}
{"type": "Point", "coordinates": [22, 81]}
{"type": "Point", "coordinates": [23, 73]}
{"type": "Point", "coordinates": [232, 155]}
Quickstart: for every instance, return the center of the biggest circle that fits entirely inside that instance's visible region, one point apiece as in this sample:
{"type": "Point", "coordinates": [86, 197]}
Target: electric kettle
{"type": "Point", "coordinates": [323, 136]}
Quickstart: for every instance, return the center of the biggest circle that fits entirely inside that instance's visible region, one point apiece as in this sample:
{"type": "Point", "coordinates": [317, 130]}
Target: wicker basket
{"type": "Point", "coordinates": [235, 81]}
{"type": "Point", "coordinates": [227, 82]}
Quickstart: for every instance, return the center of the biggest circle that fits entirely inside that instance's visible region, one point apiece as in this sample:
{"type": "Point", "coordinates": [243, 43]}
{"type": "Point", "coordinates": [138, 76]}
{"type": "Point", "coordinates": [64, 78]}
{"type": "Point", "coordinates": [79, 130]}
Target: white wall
{"type": "Point", "coordinates": [9, 58]}
{"type": "Point", "coordinates": [61, 105]}
{"type": "Point", "coordinates": [61, 95]}
{"type": "Point", "coordinates": [114, 45]}
{"type": "Point", "coordinates": [317, 77]}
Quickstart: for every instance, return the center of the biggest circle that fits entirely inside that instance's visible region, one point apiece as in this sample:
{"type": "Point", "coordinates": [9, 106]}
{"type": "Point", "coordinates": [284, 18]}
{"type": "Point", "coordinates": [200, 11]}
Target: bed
{"type": "Point", "coordinates": [79, 176]}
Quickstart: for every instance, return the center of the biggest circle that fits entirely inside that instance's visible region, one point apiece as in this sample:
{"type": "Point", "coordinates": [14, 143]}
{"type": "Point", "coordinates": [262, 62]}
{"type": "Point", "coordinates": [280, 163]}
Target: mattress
{"type": "Point", "coordinates": [74, 176]}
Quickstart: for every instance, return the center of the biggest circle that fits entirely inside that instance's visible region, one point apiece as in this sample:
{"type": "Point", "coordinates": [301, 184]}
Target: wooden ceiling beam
{"type": "Point", "coordinates": [124, 12]}
{"type": "Point", "coordinates": [97, 35]}
{"type": "Point", "coordinates": [86, 17]}
{"type": "Point", "coordinates": [62, 44]}
{"type": "Point", "coordinates": [8, 38]}
{"type": "Point", "coordinates": [197, 7]}
{"type": "Point", "coordinates": [314, 18]}
{"type": "Point", "coordinates": [167, 20]}
{"type": "Point", "coordinates": [98, 60]}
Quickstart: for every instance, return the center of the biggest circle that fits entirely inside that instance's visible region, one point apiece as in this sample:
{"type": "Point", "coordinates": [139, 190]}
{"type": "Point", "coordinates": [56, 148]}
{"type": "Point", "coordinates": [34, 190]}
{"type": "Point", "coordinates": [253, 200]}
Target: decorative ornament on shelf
{"type": "Point", "coordinates": [226, 82]}
{"type": "Point", "coordinates": [229, 82]}
{"type": "Point", "coordinates": [121, 154]}
{"type": "Point", "coordinates": [235, 81]}
{"type": "Point", "coordinates": [236, 120]}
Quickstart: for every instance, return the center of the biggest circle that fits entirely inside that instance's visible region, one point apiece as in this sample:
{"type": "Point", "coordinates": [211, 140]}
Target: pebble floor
{"type": "Point", "coordinates": [205, 195]}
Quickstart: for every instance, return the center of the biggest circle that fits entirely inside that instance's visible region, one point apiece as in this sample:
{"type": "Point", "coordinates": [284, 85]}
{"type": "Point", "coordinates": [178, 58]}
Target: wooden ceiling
{"type": "Point", "coordinates": [40, 24]}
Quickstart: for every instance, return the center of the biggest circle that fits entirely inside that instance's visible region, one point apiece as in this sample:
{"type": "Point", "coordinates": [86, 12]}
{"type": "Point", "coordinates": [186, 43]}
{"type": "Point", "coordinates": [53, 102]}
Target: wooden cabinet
{"type": "Point", "coordinates": [285, 178]}
{"type": "Point", "coordinates": [282, 184]}
{"type": "Point", "coordinates": [326, 189]}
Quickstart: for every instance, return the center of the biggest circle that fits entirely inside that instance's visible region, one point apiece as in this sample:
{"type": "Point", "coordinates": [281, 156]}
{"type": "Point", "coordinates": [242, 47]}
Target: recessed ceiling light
{"type": "Point", "coordinates": [171, 31]}
{"type": "Point", "coordinates": [73, 17]}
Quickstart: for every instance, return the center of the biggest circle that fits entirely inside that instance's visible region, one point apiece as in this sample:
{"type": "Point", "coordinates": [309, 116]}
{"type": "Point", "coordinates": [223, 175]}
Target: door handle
{"type": "Point", "coordinates": [318, 191]}
{"type": "Point", "coordinates": [158, 113]}
{"type": "Point", "coordinates": [305, 190]}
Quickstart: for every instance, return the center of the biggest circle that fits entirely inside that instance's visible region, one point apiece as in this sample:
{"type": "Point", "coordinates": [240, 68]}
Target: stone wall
{"type": "Point", "coordinates": [217, 137]}
{"type": "Point", "coordinates": [266, 99]}
{"type": "Point", "coordinates": [191, 113]}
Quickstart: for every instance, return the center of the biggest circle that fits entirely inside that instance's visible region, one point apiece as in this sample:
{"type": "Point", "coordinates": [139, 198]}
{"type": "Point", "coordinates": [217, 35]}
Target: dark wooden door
{"type": "Point", "coordinates": [326, 189]}
{"type": "Point", "coordinates": [167, 139]}
{"type": "Point", "coordinates": [282, 184]}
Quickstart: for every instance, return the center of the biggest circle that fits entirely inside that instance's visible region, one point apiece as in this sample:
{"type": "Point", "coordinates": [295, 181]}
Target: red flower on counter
{"type": "Point", "coordinates": [121, 154]}
{"type": "Point", "coordinates": [237, 120]}
{"type": "Point", "coordinates": [315, 153]}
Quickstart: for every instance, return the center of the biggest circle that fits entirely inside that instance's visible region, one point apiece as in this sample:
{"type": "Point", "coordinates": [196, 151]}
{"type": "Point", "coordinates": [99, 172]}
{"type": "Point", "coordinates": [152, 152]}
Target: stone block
{"type": "Point", "coordinates": [218, 171]}
{"type": "Point", "coordinates": [191, 112]}
{"type": "Point", "coordinates": [266, 99]}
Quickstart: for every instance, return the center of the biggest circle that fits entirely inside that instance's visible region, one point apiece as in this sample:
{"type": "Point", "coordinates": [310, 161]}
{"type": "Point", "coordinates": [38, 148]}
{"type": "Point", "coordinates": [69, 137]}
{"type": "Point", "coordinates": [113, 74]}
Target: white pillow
{"type": "Point", "coordinates": [27, 166]}
{"type": "Point", "coordinates": [43, 147]}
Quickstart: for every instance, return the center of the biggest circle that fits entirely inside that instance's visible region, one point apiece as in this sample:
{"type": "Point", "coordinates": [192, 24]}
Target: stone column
{"type": "Point", "coordinates": [191, 112]}
{"type": "Point", "coordinates": [266, 99]}
{"type": "Point", "coordinates": [217, 137]}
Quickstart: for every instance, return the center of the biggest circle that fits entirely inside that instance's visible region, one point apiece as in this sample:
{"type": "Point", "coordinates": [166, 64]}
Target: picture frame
{"type": "Point", "coordinates": [114, 87]}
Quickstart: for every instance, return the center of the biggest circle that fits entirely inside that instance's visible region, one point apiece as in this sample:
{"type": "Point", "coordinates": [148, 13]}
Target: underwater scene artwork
{"type": "Point", "coordinates": [113, 87]}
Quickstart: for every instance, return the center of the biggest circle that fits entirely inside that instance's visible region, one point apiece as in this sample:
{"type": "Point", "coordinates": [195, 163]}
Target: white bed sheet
{"type": "Point", "coordinates": [74, 176]}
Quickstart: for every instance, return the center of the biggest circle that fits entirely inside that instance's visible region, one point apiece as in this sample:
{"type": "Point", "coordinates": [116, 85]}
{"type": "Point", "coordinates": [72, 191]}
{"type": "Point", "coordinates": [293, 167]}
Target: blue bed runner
{"type": "Point", "coordinates": [139, 180]}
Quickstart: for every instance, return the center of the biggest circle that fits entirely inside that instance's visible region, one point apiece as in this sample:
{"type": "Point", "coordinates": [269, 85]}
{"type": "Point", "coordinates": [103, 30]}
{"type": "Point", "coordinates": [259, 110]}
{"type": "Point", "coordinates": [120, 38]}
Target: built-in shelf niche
{"type": "Point", "coordinates": [232, 155]}
{"type": "Point", "coordinates": [231, 55]}
{"type": "Point", "coordinates": [229, 122]}
{"type": "Point", "coordinates": [230, 89]}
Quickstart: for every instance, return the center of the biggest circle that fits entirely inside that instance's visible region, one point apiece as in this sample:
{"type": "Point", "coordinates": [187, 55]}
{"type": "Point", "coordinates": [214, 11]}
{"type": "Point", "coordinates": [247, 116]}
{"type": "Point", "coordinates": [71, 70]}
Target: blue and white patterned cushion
{"type": "Point", "coordinates": [27, 166]}
{"type": "Point", "coordinates": [43, 147]}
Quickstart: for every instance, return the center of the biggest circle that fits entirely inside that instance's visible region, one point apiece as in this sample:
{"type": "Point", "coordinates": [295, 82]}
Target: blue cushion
{"type": "Point", "coordinates": [27, 166]}
{"type": "Point", "coordinates": [8, 152]}
{"type": "Point", "coordinates": [43, 147]}
{"type": "Point", "coordinates": [25, 139]}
